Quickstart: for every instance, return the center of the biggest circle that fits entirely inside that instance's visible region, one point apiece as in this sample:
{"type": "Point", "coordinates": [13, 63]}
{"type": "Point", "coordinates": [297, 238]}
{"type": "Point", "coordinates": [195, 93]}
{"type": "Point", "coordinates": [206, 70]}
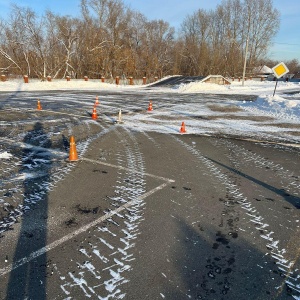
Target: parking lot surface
{"type": "Point", "coordinates": [141, 214]}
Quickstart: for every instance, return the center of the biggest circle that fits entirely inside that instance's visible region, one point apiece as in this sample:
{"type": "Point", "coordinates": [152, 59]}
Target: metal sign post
{"type": "Point", "coordinates": [275, 86]}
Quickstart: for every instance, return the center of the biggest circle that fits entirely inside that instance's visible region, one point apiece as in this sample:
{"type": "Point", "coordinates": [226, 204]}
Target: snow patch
{"type": "Point", "coordinates": [5, 155]}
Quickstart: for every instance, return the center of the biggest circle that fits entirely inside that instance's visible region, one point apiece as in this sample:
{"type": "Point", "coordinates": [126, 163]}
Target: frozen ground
{"type": "Point", "coordinates": [268, 118]}
{"type": "Point", "coordinates": [34, 147]}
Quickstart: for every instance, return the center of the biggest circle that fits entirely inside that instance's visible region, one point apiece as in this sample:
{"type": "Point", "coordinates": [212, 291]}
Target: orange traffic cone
{"type": "Point", "coordinates": [97, 101]}
{"type": "Point", "coordinates": [94, 114]}
{"type": "Point", "coordinates": [73, 152]}
{"type": "Point", "coordinates": [150, 106]}
{"type": "Point", "coordinates": [182, 128]}
{"type": "Point", "coordinates": [39, 106]}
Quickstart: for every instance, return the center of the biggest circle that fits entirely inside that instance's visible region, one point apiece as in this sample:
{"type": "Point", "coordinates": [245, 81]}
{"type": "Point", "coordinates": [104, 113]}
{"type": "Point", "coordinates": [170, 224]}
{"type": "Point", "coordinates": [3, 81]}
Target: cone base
{"type": "Point", "coordinates": [73, 159]}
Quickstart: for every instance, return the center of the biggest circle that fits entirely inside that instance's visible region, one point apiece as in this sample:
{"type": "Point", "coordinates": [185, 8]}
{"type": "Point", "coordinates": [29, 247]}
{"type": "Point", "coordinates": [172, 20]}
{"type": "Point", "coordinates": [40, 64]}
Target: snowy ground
{"type": "Point", "coordinates": [32, 155]}
{"type": "Point", "coordinates": [268, 118]}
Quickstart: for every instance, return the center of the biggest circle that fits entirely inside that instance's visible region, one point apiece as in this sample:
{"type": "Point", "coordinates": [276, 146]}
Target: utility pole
{"type": "Point", "coordinates": [245, 62]}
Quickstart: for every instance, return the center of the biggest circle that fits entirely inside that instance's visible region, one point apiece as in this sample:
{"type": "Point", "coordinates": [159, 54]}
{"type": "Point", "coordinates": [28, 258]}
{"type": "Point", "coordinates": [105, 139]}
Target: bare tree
{"type": "Point", "coordinates": [14, 46]}
{"type": "Point", "coordinates": [110, 18]}
{"type": "Point", "coordinates": [293, 66]}
{"type": "Point", "coordinates": [195, 31]}
{"type": "Point", "coordinates": [28, 34]}
{"type": "Point", "coordinates": [156, 45]}
{"type": "Point", "coordinates": [110, 39]}
{"type": "Point", "coordinates": [228, 36]}
{"type": "Point", "coordinates": [261, 24]}
{"type": "Point", "coordinates": [64, 30]}
{"type": "Point", "coordinates": [7, 60]}
{"type": "Point", "coordinates": [215, 40]}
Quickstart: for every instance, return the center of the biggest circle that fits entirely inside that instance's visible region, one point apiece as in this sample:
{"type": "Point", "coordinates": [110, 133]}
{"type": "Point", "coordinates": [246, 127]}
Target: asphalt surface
{"type": "Point", "coordinates": [141, 215]}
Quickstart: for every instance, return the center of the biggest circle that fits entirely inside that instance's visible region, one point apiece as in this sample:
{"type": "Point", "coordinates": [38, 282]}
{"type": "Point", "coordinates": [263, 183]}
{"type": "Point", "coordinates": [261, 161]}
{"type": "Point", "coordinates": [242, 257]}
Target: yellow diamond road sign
{"type": "Point", "coordinates": [280, 70]}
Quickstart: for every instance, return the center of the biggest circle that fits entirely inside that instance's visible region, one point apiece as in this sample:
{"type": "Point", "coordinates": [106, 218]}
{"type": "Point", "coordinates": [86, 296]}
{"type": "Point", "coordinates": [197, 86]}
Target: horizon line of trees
{"type": "Point", "coordinates": [109, 39]}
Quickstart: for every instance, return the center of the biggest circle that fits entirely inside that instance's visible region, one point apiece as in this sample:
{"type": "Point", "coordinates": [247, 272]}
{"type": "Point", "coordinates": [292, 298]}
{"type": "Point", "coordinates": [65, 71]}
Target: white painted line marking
{"type": "Point", "coordinates": [127, 169]}
{"type": "Point", "coordinates": [69, 236]}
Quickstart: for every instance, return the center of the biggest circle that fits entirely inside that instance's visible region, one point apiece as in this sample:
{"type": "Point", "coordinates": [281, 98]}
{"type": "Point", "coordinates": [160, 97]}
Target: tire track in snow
{"type": "Point", "coordinates": [292, 181]}
{"type": "Point", "coordinates": [109, 254]}
{"type": "Point", "coordinates": [285, 266]}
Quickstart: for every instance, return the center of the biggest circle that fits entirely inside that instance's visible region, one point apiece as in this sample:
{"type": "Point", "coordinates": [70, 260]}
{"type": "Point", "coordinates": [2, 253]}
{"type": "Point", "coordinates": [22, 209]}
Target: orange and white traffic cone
{"type": "Point", "coordinates": [97, 101]}
{"type": "Point", "coordinates": [150, 108]}
{"type": "Point", "coordinates": [94, 114]}
{"type": "Point", "coordinates": [73, 152]}
{"type": "Point", "coordinates": [182, 128]}
{"type": "Point", "coordinates": [39, 106]}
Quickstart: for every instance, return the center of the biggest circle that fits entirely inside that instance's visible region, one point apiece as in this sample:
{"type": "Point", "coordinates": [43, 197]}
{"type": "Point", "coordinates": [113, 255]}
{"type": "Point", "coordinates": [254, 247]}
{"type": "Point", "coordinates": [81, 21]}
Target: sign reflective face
{"type": "Point", "coordinates": [280, 70]}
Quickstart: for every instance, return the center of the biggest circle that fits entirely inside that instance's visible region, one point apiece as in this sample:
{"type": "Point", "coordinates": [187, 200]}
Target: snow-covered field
{"type": "Point", "coordinates": [268, 118]}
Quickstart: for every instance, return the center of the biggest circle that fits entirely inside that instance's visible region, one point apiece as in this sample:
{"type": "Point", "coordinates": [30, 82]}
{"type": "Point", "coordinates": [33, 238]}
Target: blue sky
{"type": "Point", "coordinates": [286, 43]}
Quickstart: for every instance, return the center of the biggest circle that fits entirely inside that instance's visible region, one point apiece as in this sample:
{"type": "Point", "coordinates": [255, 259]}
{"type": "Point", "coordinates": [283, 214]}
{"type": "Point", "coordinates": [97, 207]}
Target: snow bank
{"type": "Point", "coordinates": [250, 87]}
{"type": "Point", "coordinates": [276, 105]}
{"type": "Point", "coordinates": [195, 87]}
{"type": "Point", "coordinates": [59, 84]}
{"type": "Point", "coordinates": [279, 104]}
{"type": "Point", "coordinates": [5, 155]}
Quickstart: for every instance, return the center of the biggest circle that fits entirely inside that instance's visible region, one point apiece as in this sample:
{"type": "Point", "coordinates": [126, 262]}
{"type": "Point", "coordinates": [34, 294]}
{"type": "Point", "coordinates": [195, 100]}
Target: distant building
{"type": "Point", "coordinates": [262, 70]}
{"type": "Point", "coordinates": [217, 79]}
{"type": "Point", "coordinates": [296, 76]}
{"type": "Point", "coordinates": [262, 73]}
{"type": "Point", "coordinates": [267, 73]}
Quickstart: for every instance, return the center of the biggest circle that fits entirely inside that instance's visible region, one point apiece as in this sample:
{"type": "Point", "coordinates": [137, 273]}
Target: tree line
{"type": "Point", "coordinates": [110, 39]}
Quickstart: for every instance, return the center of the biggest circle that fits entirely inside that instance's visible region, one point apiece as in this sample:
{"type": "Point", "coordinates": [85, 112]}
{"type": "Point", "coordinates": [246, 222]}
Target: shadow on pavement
{"type": "Point", "coordinates": [213, 265]}
{"type": "Point", "coordinates": [294, 200]}
{"type": "Point", "coordinates": [28, 280]}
